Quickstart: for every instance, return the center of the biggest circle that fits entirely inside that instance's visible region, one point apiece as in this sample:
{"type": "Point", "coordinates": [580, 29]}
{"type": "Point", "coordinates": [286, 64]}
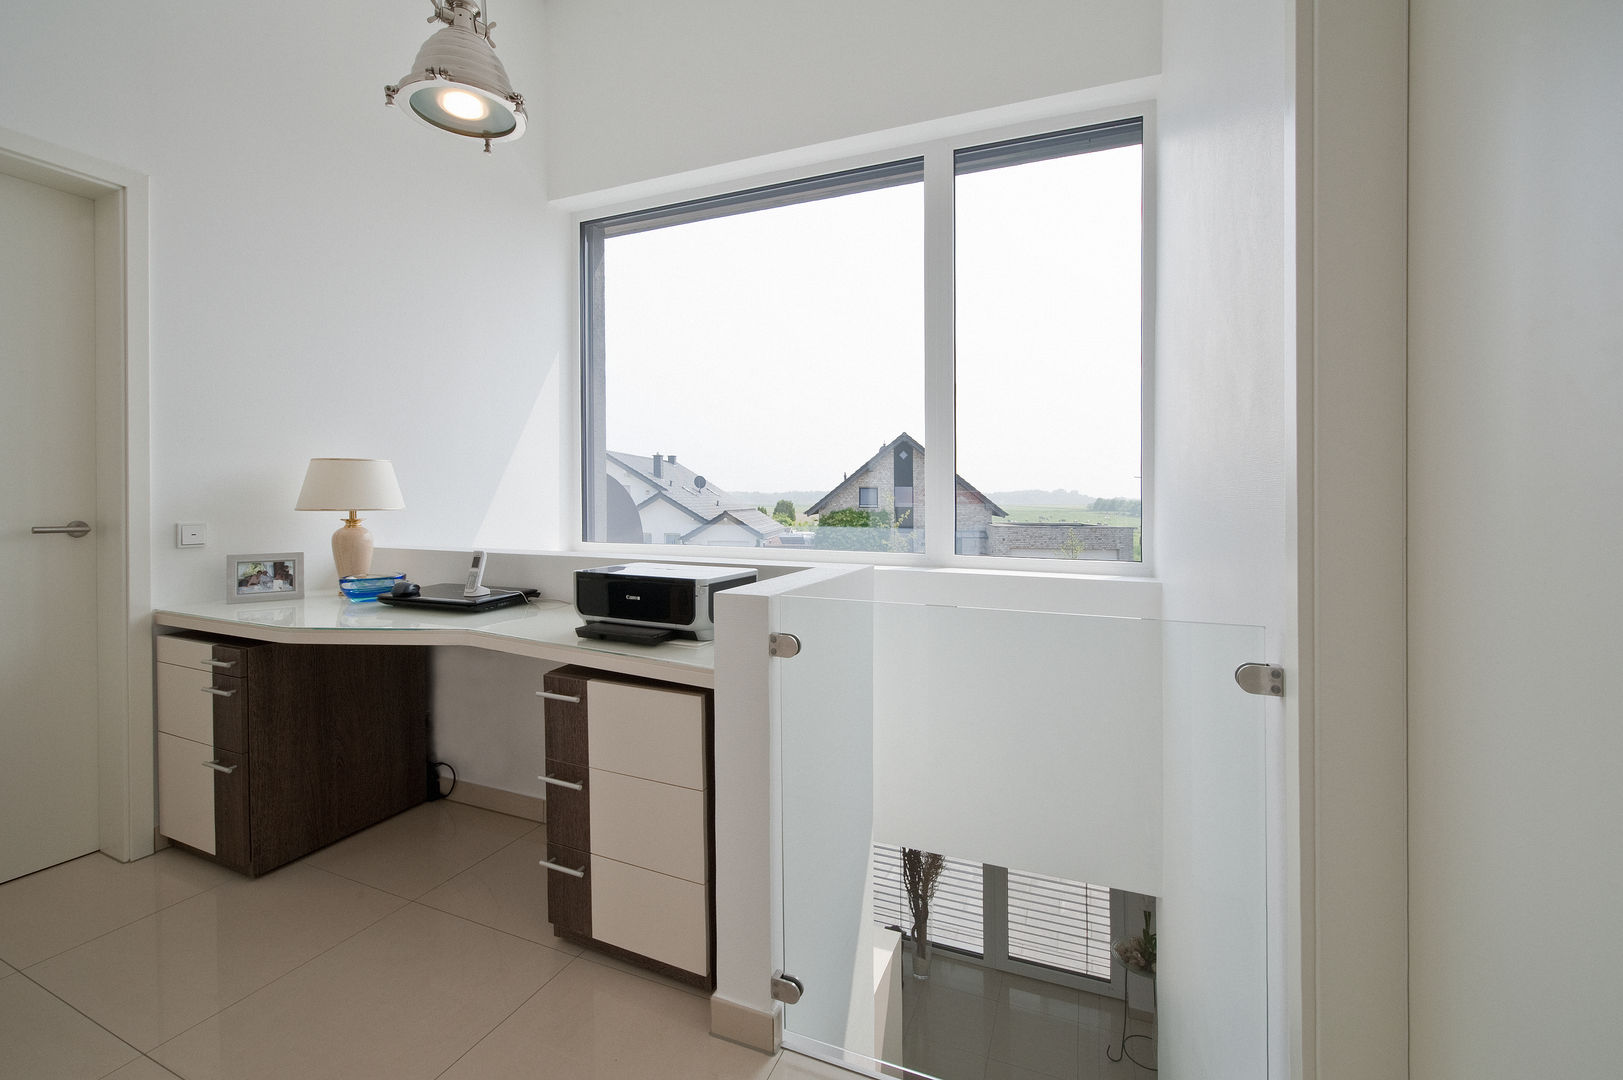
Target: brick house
{"type": "Point", "coordinates": [893, 480]}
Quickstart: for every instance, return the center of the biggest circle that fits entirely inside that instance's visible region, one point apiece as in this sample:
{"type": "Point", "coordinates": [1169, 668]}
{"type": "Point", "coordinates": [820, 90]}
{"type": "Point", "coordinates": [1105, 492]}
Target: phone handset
{"type": "Point", "coordinates": [476, 575]}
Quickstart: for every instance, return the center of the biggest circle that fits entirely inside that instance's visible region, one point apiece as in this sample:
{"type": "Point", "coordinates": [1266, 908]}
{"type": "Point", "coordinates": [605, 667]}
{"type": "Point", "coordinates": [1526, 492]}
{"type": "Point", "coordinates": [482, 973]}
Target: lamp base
{"type": "Point", "coordinates": [352, 548]}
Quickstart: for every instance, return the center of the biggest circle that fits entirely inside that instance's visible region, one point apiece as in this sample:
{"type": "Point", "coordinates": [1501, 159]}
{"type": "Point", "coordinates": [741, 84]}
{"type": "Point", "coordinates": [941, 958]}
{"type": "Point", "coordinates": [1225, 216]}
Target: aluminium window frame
{"type": "Point", "coordinates": [939, 391]}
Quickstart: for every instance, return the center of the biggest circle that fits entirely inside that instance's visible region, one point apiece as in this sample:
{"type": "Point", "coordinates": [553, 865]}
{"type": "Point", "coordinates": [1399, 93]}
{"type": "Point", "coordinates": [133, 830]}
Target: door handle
{"type": "Point", "coordinates": [74, 529]}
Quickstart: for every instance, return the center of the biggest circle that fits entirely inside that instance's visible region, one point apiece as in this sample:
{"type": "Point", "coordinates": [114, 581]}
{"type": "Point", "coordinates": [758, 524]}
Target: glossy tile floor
{"type": "Point", "coordinates": [971, 1023]}
{"type": "Point", "coordinates": [417, 949]}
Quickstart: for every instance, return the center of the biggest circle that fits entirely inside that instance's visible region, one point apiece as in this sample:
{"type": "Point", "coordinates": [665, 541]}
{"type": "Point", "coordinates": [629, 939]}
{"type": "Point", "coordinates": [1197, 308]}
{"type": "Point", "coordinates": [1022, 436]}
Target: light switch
{"type": "Point", "coordinates": [190, 534]}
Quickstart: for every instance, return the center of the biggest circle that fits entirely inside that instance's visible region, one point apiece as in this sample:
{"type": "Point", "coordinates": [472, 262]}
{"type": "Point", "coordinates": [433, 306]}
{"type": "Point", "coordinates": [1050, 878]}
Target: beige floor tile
{"type": "Point", "coordinates": [1137, 1064]}
{"type": "Point", "coordinates": [43, 1039]}
{"type": "Point", "coordinates": [592, 1021]}
{"type": "Point", "coordinates": [945, 1062]}
{"type": "Point", "coordinates": [947, 970]}
{"type": "Point", "coordinates": [142, 1068]}
{"type": "Point", "coordinates": [603, 959]}
{"type": "Point", "coordinates": [937, 1014]}
{"type": "Point", "coordinates": [416, 851]}
{"type": "Point", "coordinates": [1033, 995]}
{"type": "Point", "coordinates": [151, 980]}
{"type": "Point", "coordinates": [5, 969]}
{"type": "Point", "coordinates": [506, 891]}
{"type": "Point", "coordinates": [401, 1000]}
{"type": "Point", "coordinates": [1099, 1013]}
{"type": "Point", "coordinates": [63, 906]}
{"type": "Point", "coordinates": [1002, 1070]}
{"type": "Point", "coordinates": [1036, 1041]}
{"type": "Point", "coordinates": [793, 1066]}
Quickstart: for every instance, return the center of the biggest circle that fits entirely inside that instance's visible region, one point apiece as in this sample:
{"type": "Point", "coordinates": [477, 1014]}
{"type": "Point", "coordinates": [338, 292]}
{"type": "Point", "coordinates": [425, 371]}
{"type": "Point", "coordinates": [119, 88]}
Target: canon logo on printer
{"type": "Point", "coordinates": [631, 597]}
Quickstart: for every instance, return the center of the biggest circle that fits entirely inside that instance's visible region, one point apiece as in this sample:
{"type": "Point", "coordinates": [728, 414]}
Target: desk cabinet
{"type": "Point", "coordinates": [629, 819]}
{"type": "Point", "coordinates": [268, 751]}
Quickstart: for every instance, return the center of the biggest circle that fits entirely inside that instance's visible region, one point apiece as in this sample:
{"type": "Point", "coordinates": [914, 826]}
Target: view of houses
{"type": "Point", "coordinates": [880, 506]}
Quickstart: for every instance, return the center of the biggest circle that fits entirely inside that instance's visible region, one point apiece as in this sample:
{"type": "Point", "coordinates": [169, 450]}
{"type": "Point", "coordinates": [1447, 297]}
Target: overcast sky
{"type": "Point", "coordinates": [778, 350]}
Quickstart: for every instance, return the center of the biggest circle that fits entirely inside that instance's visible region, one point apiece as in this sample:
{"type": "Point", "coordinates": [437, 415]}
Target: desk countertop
{"type": "Point", "coordinates": [544, 629]}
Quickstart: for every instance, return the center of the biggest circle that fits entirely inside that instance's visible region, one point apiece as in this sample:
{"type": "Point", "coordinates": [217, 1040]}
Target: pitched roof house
{"type": "Point", "coordinates": [893, 480]}
{"type": "Point", "coordinates": [679, 506]}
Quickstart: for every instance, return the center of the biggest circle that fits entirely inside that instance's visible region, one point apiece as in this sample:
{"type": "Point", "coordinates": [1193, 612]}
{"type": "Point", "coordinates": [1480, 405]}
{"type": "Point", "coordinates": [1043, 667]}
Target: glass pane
{"type": "Point", "coordinates": [1117, 752]}
{"type": "Point", "coordinates": [955, 916]}
{"type": "Point", "coordinates": [760, 372]}
{"type": "Point", "coordinates": [1049, 357]}
{"type": "Point", "coordinates": [1059, 924]}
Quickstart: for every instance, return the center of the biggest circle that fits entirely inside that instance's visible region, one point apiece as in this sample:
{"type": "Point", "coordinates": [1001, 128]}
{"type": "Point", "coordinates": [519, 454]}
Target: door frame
{"type": "Point", "coordinates": [125, 771]}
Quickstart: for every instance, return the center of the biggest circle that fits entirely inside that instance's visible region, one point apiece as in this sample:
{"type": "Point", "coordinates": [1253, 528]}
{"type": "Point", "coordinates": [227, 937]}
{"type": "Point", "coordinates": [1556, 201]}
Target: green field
{"type": "Point", "coordinates": [1040, 514]}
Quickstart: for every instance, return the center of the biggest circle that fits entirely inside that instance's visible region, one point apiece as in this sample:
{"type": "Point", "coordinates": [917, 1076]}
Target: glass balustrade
{"type": "Point", "coordinates": [1041, 793]}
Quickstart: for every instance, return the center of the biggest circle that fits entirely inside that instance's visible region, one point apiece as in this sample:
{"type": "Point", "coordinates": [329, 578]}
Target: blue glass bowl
{"type": "Point", "coordinates": [366, 587]}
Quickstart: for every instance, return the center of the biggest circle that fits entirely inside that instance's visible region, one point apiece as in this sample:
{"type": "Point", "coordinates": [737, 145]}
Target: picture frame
{"type": "Point", "coordinates": [254, 579]}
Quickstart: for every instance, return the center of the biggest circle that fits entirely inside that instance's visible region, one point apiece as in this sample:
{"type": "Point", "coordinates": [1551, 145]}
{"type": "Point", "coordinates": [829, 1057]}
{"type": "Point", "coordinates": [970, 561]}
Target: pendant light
{"type": "Point", "coordinates": [457, 84]}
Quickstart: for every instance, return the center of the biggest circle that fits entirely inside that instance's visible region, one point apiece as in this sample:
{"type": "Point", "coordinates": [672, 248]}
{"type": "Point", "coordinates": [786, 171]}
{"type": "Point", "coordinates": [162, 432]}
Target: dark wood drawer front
{"type": "Point", "coordinates": [230, 713]}
{"type": "Point", "coordinates": [569, 898]}
{"type": "Point", "coordinates": [568, 813]}
{"type": "Point", "coordinates": [230, 659]}
{"type": "Point", "coordinates": [231, 830]}
{"type": "Point", "coordinates": [565, 720]}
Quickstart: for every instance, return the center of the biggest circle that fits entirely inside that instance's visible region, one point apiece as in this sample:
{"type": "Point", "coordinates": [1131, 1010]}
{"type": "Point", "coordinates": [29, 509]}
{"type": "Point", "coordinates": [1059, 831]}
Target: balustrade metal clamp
{"type": "Point", "coordinates": [782, 646]}
{"type": "Point", "coordinates": [1267, 680]}
{"type": "Point", "coordinates": [786, 988]}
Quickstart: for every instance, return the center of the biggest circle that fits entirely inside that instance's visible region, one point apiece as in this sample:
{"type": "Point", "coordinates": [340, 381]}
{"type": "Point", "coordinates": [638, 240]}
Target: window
{"type": "Point", "coordinates": [1014, 920]}
{"type": "Point", "coordinates": [775, 339]}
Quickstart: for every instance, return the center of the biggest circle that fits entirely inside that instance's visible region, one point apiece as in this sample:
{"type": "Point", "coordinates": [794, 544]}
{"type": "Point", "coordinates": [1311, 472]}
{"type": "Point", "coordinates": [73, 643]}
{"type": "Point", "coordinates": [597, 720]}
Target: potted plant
{"type": "Point", "coordinates": [921, 872]}
{"type": "Point", "coordinates": [1138, 951]}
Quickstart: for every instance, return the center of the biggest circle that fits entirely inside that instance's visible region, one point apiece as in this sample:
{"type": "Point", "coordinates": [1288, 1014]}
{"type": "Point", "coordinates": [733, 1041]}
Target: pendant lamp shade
{"type": "Point", "coordinates": [456, 83]}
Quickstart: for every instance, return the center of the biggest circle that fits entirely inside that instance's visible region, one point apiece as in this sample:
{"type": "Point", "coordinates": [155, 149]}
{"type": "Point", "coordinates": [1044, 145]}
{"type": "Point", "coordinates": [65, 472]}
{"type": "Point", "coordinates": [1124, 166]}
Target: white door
{"type": "Point", "coordinates": [48, 663]}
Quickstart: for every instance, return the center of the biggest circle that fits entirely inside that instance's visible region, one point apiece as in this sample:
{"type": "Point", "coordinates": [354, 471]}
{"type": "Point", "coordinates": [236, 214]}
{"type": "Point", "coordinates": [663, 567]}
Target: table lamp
{"type": "Point", "coordinates": [350, 484]}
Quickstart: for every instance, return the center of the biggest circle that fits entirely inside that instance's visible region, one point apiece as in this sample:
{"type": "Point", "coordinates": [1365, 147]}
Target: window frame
{"type": "Point", "coordinates": [939, 392]}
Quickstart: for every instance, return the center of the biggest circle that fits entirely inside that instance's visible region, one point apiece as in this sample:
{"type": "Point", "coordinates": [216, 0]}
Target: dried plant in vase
{"type": "Point", "coordinates": [921, 872]}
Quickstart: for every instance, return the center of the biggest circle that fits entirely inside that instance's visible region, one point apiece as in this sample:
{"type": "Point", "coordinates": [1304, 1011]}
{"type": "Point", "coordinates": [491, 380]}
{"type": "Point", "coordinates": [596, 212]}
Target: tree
{"type": "Point", "coordinates": [784, 512]}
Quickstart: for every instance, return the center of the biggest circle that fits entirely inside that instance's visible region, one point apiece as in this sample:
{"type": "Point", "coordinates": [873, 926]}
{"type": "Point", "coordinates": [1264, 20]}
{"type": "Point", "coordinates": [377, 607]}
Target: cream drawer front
{"type": "Point", "coordinates": [183, 651]}
{"type": "Point", "coordinates": [183, 708]}
{"type": "Point", "coordinates": [660, 917]}
{"type": "Point", "coordinates": [638, 731]}
{"type": "Point", "coordinates": [185, 792]}
{"type": "Point", "coordinates": [657, 826]}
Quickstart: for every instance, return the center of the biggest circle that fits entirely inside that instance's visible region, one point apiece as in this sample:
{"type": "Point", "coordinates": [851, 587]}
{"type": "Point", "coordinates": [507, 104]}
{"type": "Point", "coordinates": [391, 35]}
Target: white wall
{"type": "Point", "coordinates": [299, 231]}
{"type": "Point", "coordinates": [642, 89]}
{"type": "Point", "coordinates": [1516, 337]}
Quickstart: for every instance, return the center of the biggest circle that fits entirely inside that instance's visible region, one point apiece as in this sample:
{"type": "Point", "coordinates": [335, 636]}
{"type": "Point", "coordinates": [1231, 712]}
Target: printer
{"type": "Point", "coordinates": [653, 601]}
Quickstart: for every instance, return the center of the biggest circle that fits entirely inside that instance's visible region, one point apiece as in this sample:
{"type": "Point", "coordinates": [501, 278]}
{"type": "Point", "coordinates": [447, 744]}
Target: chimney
{"type": "Point", "coordinates": [671, 458]}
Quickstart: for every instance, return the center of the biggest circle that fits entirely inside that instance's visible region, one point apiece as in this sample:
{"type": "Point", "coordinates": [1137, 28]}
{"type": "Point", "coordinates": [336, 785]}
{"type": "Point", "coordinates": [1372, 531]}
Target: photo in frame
{"type": "Point", "coordinates": [253, 579]}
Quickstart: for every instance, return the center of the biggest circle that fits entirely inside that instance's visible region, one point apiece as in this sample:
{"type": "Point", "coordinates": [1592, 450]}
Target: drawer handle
{"type": "Point", "coordinates": [550, 696]}
{"type": "Point", "coordinates": [572, 786]}
{"type": "Point", "coordinates": [217, 767]}
{"type": "Point", "coordinates": [221, 663]}
{"type": "Point", "coordinates": [219, 693]}
{"type": "Point", "coordinates": [564, 869]}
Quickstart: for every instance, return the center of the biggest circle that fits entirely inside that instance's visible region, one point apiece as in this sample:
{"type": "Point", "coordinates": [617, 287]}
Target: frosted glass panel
{"type": "Point", "coordinates": [1116, 752]}
{"type": "Point", "coordinates": [997, 733]}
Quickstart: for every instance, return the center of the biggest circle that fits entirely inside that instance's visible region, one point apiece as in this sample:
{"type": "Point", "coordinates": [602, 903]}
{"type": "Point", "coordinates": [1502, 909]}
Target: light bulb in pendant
{"type": "Point", "coordinates": [463, 105]}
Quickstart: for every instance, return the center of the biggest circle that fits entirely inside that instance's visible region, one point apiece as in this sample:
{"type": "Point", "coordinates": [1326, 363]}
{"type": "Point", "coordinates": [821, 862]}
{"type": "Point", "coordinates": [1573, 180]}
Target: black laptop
{"type": "Point", "coordinates": [449, 597]}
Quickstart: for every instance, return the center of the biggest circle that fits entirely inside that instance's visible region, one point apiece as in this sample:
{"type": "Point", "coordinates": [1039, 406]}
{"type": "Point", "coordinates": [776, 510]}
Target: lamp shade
{"type": "Point", "coordinates": [350, 484]}
{"type": "Point", "coordinates": [457, 84]}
